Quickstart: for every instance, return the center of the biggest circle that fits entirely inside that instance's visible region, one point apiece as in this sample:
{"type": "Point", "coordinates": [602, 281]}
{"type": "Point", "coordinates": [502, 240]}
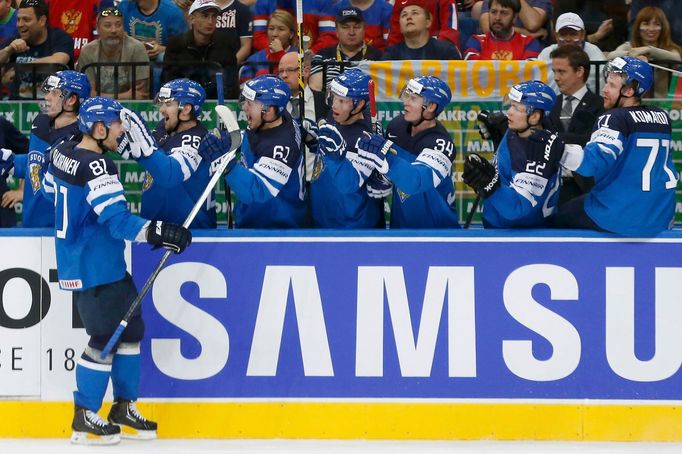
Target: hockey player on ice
{"type": "Point", "coordinates": [92, 221]}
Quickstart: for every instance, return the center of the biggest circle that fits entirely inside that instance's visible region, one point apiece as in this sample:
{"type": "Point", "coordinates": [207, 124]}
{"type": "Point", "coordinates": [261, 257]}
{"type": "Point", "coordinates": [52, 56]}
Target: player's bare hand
{"type": "Point", "coordinates": [10, 198]}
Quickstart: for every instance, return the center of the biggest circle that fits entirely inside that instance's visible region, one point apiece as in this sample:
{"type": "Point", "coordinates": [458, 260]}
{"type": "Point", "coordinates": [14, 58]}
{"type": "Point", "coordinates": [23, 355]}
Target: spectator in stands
{"type": "Point", "coordinates": [377, 19]}
{"type": "Point", "coordinates": [651, 40]}
{"type": "Point", "coordinates": [200, 45]}
{"type": "Point", "coordinates": [671, 8]}
{"type": "Point", "coordinates": [418, 44]}
{"type": "Point", "coordinates": [533, 19]}
{"type": "Point", "coordinates": [36, 43]}
{"type": "Point", "coordinates": [235, 22]}
{"type": "Point", "coordinates": [12, 139]}
{"type": "Point", "coordinates": [78, 18]}
{"type": "Point", "coordinates": [444, 24]}
{"type": "Point", "coordinates": [282, 39]}
{"type": "Point", "coordinates": [153, 22]}
{"type": "Point", "coordinates": [8, 22]}
{"type": "Point", "coordinates": [570, 31]}
{"type": "Point", "coordinates": [575, 112]}
{"type": "Point", "coordinates": [114, 46]}
{"type": "Point", "coordinates": [502, 41]}
{"type": "Point", "coordinates": [318, 21]}
{"type": "Point", "coordinates": [288, 72]}
{"type": "Point", "coordinates": [352, 47]}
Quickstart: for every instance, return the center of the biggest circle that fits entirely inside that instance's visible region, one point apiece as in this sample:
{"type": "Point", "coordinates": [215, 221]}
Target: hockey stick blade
{"type": "Point", "coordinates": [233, 127]}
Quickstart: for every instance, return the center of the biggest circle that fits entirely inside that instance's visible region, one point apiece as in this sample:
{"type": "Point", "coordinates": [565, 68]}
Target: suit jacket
{"type": "Point", "coordinates": [584, 115]}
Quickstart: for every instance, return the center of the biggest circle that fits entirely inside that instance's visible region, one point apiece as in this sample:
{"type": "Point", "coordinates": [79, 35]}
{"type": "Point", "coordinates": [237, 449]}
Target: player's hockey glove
{"type": "Point", "coordinates": [213, 147]}
{"type": "Point", "coordinates": [141, 142]}
{"type": "Point", "coordinates": [6, 162]}
{"type": "Point", "coordinates": [374, 148]}
{"type": "Point", "coordinates": [492, 126]}
{"type": "Point", "coordinates": [173, 237]}
{"type": "Point", "coordinates": [330, 142]}
{"type": "Point", "coordinates": [546, 150]}
{"type": "Point", "coordinates": [378, 186]}
{"type": "Point", "coordinates": [310, 131]}
{"type": "Point", "coordinates": [481, 175]}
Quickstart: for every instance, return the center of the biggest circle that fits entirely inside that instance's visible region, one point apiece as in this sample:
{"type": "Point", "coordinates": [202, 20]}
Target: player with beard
{"type": "Point", "coordinates": [177, 173]}
{"type": "Point", "coordinates": [630, 157]}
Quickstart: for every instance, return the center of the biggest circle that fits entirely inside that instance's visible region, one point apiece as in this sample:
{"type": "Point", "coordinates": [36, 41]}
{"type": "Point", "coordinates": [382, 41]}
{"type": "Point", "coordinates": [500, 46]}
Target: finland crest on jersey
{"type": "Point", "coordinates": [36, 163]}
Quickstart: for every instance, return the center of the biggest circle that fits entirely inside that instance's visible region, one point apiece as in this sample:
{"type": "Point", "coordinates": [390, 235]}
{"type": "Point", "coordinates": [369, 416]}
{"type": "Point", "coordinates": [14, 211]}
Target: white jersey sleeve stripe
{"type": "Point", "coordinates": [271, 189]}
{"type": "Point", "coordinates": [102, 205]}
{"type": "Point", "coordinates": [48, 183]}
{"type": "Point", "coordinates": [608, 151]}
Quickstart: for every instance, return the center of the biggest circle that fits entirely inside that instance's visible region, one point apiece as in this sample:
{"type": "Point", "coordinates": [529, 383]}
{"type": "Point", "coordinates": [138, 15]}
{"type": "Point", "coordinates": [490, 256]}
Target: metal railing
{"type": "Point", "coordinates": [203, 72]}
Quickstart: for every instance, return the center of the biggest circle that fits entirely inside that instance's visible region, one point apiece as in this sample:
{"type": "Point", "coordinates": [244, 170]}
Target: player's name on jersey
{"type": "Point", "coordinates": [65, 164]}
{"type": "Point", "coordinates": [642, 116]}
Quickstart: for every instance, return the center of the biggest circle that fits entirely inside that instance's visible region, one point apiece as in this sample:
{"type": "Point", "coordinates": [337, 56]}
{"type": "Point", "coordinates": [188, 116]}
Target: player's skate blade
{"type": "Point", "coordinates": [125, 415]}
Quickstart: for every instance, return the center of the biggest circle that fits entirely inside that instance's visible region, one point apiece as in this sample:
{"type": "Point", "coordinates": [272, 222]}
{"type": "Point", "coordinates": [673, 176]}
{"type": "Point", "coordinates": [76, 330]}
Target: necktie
{"type": "Point", "coordinates": [567, 112]}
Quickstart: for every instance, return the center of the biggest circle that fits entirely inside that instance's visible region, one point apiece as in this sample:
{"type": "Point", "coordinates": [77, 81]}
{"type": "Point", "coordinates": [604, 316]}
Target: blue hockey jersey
{"type": "Point", "coordinates": [421, 172]}
{"type": "Point", "coordinates": [528, 192]}
{"type": "Point", "coordinates": [269, 180]}
{"type": "Point", "coordinates": [630, 156]}
{"type": "Point", "coordinates": [91, 217]}
{"type": "Point", "coordinates": [338, 194]}
{"type": "Point", "coordinates": [37, 211]}
{"type": "Point", "coordinates": [176, 177]}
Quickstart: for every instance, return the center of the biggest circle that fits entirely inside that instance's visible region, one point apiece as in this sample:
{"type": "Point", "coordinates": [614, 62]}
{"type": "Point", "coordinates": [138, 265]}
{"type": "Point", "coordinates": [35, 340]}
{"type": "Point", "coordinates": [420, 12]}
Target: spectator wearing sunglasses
{"type": "Point", "coordinates": [115, 46]}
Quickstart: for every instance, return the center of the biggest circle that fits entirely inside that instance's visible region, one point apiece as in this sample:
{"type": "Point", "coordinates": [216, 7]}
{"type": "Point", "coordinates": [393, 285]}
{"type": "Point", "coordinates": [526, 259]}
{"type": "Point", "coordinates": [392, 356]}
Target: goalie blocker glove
{"type": "Point", "coordinates": [173, 237]}
{"type": "Point", "coordinates": [481, 175]}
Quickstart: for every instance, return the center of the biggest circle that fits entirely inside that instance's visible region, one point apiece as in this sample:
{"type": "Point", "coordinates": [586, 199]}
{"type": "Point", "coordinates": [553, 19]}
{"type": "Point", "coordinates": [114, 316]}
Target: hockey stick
{"type": "Point", "coordinates": [674, 71]}
{"type": "Point", "coordinates": [220, 94]}
{"type": "Point", "coordinates": [376, 130]}
{"type": "Point", "coordinates": [228, 118]}
{"type": "Point", "coordinates": [301, 83]}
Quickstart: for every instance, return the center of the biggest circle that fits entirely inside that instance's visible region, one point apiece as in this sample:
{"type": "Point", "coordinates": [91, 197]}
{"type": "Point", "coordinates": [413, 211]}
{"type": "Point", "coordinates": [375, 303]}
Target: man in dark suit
{"type": "Point", "coordinates": [576, 110]}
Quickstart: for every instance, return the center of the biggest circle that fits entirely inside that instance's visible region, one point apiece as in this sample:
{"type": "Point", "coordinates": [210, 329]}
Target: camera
{"type": "Point", "coordinates": [492, 125]}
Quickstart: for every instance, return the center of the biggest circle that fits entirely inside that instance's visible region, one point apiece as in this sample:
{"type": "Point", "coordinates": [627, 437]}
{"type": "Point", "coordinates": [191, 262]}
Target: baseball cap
{"type": "Point", "coordinates": [402, 4]}
{"type": "Point", "coordinates": [349, 13]}
{"type": "Point", "coordinates": [198, 5]}
{"type": "Point", "coordinates": [571, 20]}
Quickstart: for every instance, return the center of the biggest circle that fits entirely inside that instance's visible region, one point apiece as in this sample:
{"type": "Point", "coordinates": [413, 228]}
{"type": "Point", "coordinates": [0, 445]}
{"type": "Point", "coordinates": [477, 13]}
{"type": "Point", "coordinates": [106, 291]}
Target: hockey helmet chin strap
{"type": "Point", "coordinates": [100, 142]}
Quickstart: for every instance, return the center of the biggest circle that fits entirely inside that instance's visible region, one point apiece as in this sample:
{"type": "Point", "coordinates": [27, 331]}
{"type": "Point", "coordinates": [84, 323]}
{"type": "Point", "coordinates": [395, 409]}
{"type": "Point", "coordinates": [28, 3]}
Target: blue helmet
{"type": "Point", "coordinates": [432, 89]}
{"type": "Point", "coordinates": [268, 89]}
{"type": "Point", "coordinates": [632, 69]}
{"type": "Point", "coordinates": [184, 91]}
{"type": "Point", "coordinates": [98, 108]}
{"type": "Point", "coordinates": [353, 84]}
{"type": "Point", "coordinates": [69, 82]}
{"type": "Point", "coordinates": [535, 95]}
